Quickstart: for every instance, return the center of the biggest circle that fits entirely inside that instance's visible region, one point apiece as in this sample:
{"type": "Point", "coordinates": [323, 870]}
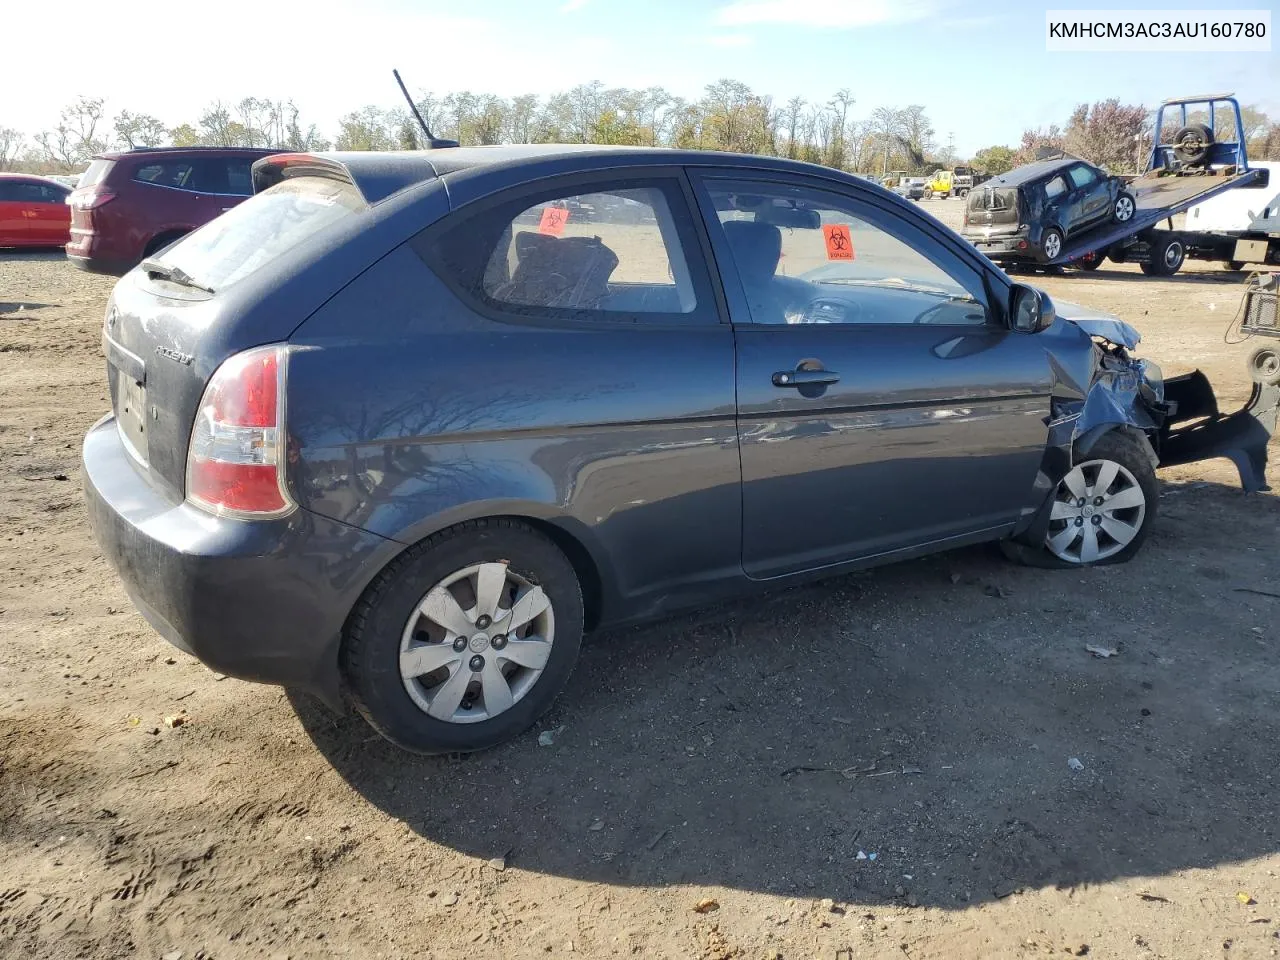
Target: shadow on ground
{"type": "Point", "coordinates": [925, 714]}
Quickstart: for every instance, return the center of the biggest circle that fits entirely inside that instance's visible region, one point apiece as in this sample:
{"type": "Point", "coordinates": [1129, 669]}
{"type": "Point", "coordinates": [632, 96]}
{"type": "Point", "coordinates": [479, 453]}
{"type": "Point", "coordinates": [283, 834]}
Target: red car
{"type": "Point", "coordinates": [33, 211]}
{"type": "Point", "coordinates": [134, 203]}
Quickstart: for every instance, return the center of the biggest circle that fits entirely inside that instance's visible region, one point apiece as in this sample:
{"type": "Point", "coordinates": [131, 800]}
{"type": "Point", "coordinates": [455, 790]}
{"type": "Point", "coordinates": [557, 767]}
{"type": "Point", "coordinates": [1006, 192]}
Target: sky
{"type": "Point", "coordinates": [980, 69]}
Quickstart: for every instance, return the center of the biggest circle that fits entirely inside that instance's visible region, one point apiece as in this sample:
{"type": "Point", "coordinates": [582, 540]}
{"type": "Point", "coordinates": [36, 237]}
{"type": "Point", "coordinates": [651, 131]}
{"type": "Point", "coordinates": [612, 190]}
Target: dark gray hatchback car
{"type": "Point", "coordinates": [401, 427]}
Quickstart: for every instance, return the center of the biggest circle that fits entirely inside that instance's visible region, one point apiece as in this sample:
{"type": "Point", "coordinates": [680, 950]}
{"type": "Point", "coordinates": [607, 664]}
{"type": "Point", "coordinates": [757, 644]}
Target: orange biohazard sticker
{"type": "Point", "coordinates": [553, 220]}
{"type": "Point", "coordinates": [839, 242]}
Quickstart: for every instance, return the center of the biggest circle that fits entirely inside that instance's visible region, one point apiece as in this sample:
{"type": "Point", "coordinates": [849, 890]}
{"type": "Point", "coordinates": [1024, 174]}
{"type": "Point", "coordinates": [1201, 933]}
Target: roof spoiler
{"type": "Point", "coordinates": [278, 167]}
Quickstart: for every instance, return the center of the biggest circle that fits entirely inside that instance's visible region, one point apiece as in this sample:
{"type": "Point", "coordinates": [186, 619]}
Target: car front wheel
{"type": "Point", "coordinates": [465, 640]}
{"type": "Point", "coordinates": [1124, 208]}
{"type": "Point", "coordinates": [1103, 508]}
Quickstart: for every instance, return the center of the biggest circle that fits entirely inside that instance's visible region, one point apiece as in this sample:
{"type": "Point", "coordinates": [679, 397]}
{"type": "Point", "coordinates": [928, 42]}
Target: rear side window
{"type": "Point", "coordinates": [168, 174]}
{"type": "Point", "coordinates": [607, 254]}
{"type": "Point", "coordinates": [240, 177]}
{"type": "Point", "coordinates": [1055, 188]}
{"type": "Point", "coordinates": [254, 233]}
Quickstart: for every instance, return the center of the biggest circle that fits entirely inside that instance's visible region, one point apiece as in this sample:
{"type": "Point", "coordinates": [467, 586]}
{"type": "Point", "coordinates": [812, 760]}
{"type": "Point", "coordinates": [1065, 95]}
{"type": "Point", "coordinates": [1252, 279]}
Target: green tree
{"type": "Point", "coordinates": [994, 160]}
{"type": "Point", "coordinates": [184, 135]}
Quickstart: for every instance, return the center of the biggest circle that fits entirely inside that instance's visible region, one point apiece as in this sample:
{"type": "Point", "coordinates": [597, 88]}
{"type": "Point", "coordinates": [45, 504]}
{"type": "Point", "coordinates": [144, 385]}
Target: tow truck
{"type": "Point", "coordinates": [1198, 163]}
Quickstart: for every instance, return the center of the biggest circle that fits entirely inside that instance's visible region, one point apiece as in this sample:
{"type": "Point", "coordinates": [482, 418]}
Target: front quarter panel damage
{"type": "Point", "coordinates": [1098, 386]}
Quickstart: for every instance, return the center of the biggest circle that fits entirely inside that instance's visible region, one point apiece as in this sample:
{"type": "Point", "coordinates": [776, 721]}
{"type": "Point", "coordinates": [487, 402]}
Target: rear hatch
{"type": "Point", "coordinates": [991, 211]}
{"type": "Point", "coordinates": [228, 286]}
{"type": "Point", "coordinates": [89, 194]}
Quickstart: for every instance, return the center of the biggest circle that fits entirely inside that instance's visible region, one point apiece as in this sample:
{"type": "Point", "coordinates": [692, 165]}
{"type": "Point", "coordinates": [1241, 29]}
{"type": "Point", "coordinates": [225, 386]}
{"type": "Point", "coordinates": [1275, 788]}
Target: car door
{"type": "Point", "coordinates": [1057, 203]}
{"type": "Point", "coordinates": [883, 402]}
{"type": "Point", "coordinates": [52, 217]}
{"type": "Point", "coordinates": [11, 211]}
{"type": "Point", "coordinates": [1089, 198]}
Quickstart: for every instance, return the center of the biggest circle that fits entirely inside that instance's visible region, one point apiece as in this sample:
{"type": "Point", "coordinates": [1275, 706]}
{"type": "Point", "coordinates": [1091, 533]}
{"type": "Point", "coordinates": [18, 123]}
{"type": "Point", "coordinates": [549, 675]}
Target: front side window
{"type": "Point", "coordinates": [606, 254]}
{"type": "Point", "coordinates": [810, 256]}
{"type": "Point", "coordinates": [1082, 176]}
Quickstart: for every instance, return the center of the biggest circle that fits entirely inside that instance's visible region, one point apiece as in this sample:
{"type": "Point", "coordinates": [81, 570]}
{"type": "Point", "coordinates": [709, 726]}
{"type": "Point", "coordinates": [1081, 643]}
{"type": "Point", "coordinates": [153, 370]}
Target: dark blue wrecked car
{"type": "Point", "coordinates": [401, 427]}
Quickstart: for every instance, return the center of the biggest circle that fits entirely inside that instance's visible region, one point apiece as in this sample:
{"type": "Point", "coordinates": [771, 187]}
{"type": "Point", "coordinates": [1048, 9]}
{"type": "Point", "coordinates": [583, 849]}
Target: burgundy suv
{"type": "Point", "coordinates": [131, 204]}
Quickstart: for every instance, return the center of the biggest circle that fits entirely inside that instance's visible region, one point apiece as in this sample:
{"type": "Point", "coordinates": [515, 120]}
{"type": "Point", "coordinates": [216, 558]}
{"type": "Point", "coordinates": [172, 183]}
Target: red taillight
{"type": "Point", "coordinates": [235, 462]}
{"type": "Point", "coordinates": [1022, 244]}
{"type": "Point", "coordinates": [90, 198]}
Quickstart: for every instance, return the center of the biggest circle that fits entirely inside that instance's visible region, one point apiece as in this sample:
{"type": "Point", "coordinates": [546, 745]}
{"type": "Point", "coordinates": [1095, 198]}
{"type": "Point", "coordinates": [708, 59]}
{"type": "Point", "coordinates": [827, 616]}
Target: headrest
{"type": "Point", "coordinates": [757, 247]}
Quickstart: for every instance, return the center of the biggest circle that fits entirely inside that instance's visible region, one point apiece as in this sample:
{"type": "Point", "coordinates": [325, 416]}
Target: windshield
{"type": "Point", "coordinates": [258, 231]}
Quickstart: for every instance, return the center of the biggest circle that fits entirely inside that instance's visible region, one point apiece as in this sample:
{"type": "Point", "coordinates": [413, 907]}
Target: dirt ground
{"type": "Point", "coordinates": [873, 766]}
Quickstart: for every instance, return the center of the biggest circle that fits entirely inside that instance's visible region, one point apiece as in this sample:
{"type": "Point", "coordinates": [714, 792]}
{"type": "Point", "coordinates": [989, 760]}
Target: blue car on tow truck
{"type": "Point", "coordinates": [1019, 217]}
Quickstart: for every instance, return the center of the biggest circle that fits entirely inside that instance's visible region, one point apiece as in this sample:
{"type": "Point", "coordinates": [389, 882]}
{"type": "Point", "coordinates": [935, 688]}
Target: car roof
{"type": "Point", "coordinates": [1034, 171]}
{"type": "Point", "coordinates": [379, 174]}
{"type": "Point", "coordinates": [33, 176]}
{"type": "Point", "coordinates": [162, 152]}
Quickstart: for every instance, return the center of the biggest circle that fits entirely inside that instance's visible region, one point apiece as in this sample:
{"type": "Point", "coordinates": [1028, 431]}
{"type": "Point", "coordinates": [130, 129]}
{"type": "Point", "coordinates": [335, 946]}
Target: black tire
{"type": "Point", "coordinates": [1052, 239]}
{"type": "Point", "coordinates": [1264, 365]}
{"type": "Point", "coordinates": [1191, 143]}
{"type": "Point", "coordinates": [1123, 210]}
{"type": "Point", "coordinates": [371, 645]}
{"type": "Point", "coordinates": [962, 193]}
{"type": "Point", "coordinates": [1235, 266]}
{"type": "Point", "coordinates": [163, 240]}
{"type": "Point", "coordinates": [1165, 258]}
{"type": "Point", "coordinates": [1090, 263]}
{"type": "Point", "coordinates": [1126, 451]}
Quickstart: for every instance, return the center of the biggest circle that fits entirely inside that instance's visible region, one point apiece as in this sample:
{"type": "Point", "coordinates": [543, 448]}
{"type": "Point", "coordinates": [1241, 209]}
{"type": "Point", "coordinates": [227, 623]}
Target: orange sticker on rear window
{"type": "Point", "coordinates": [553, 220]}
{"type": "Point", "coordinates": [839, 242]}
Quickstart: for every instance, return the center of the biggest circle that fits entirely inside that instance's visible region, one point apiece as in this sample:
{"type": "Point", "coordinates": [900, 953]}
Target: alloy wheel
{"type": "Point", "coordinates": [476, 643]}
{"type": "Point", "coordinates": [1098, 509]}
{"type": "Point", "coordinates": [1124, 209]}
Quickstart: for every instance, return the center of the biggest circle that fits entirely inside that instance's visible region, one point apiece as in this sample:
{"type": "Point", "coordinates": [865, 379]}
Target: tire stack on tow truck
{"type": "Point", "coordinates": [1040, 214]}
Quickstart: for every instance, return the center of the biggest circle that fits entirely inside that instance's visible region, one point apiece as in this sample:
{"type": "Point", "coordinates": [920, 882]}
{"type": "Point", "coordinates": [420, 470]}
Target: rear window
{"type": "Point", "coordinates": [252, 234]}
{"type": "Point", "coordinates": [96, 173]}
{"type": "Point", "coordinates": [993, 199]}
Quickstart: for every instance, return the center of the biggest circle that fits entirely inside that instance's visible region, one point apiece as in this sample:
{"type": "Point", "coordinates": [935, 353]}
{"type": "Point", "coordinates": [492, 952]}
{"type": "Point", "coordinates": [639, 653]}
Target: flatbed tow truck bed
{"type": "Point", "coordinates": [1157, 198]}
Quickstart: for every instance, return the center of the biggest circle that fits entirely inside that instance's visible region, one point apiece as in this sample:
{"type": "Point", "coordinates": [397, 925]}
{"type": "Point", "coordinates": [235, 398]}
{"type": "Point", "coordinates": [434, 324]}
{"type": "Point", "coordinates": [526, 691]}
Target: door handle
{"type": "Point", "coordinates": [804, 378]}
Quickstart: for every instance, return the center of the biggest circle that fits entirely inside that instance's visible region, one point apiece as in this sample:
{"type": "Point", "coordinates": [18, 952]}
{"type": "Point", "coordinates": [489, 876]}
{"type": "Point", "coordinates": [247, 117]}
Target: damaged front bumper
{"type": "Point", "coordinates": [1195, 429]}
{"type": "Point", "coordinates": [1177, 419]}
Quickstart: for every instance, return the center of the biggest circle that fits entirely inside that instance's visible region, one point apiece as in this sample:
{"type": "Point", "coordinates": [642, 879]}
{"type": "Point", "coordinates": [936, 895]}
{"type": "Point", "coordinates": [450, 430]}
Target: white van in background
{"type": "Point", "coordinates": [1240, 226]}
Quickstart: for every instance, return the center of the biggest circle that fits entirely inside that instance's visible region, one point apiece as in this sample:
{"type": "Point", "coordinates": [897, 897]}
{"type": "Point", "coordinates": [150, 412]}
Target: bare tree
{"type": "Point", "coordinates": [11, 142]}
{"type": "Point", "coordinates": [139, 130]}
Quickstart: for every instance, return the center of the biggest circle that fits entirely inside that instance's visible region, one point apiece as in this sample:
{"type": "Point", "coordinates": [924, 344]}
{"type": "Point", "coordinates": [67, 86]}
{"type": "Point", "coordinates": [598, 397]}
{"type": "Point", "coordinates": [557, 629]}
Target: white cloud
{"type": "Point", "coordinates": [569, 6]}
{"type": "Point", "coordinates": [824, 13]}
{"type": "Point", "coordinates": [730, 40]}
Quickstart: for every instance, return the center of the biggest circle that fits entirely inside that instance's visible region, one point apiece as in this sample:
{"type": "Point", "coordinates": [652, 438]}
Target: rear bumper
{"type": "Point", "coordinates": [1013, 246]}
{"type": "Point", "coordinates": [262, 600]}
{"type": "Point", "coordinates": [1241, 437]}
{"type": "Point", "coordinates": [91, 252]}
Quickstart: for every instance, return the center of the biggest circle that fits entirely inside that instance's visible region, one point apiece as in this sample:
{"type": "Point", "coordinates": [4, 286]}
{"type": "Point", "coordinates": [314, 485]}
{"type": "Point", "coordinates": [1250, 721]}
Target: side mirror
{"type": "Point", "coordinates": [1031, 309]}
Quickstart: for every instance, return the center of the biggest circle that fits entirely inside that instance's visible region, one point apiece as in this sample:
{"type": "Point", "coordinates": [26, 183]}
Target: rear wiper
{"type": "Point", "coordinates": [164, 271]}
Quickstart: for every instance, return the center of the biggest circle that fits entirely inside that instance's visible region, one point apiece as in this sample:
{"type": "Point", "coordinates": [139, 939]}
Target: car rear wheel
{"type": "Point", "coordinates": [160, 242]}
{"type": "Point", "coordinates": [1235, 266]}
{"type": "Point", "coordinates": [1103, 508]}
{"type": "Point", "coordinates": [1052, 243]}
{"type": "Point", "coordinates": [466, 640]}
{"type": "Point", "coordinates": [1165, 258]}
{"type": "Point", "coordinates": [1124, 208]}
